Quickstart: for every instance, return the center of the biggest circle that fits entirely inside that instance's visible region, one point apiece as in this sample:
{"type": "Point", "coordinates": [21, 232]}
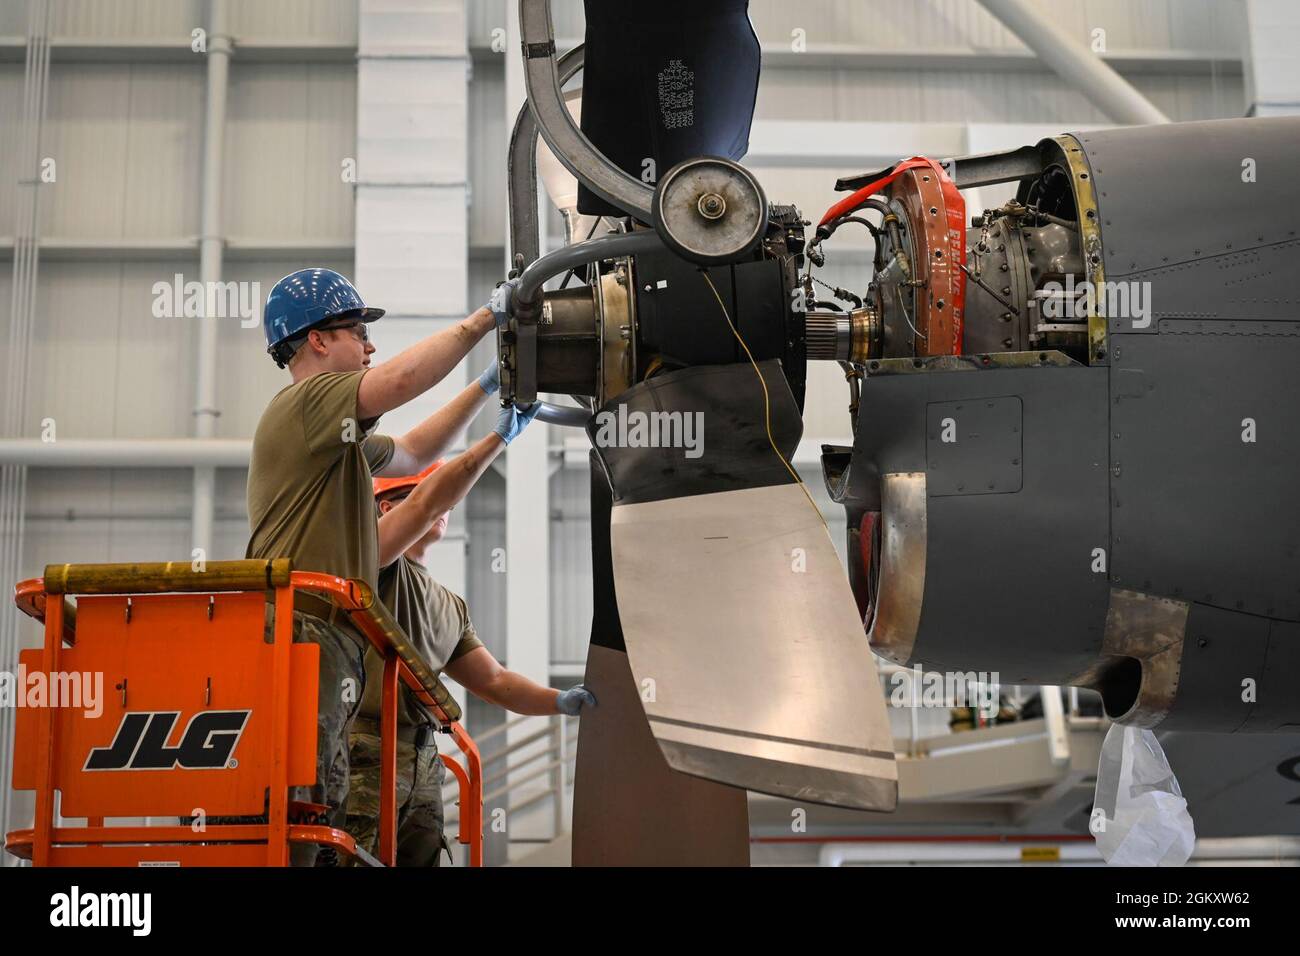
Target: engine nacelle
{"type": "Point", "coordinates": [1095, 487]}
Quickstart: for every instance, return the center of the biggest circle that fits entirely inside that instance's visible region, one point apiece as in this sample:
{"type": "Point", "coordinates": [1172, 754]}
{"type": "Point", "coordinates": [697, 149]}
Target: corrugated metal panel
{"type": "Point", "coordinates": [102, 364]}
{"type": "Point", "coordinates": [488, 137]}
{"type": "Point", "coordinates": [324, 20]}
{"type": "Point", "coordinates": [1193, 97]}
{"type": "Point", "coordinates": [947, 96]}
{"type": "Point", "coordinates": [1273, 76]}
{"type": "Point", "coordinates": [127, 141]}
{"type": "Point", "coordinates": [11, 115]}
{"type": "Point", "coordinates": [79, 494]}
{"type": "Point", "coordinates": [124, 18]}
{"type": "Point", "coordinates": [484, 16]}
{"type": "Point", "coordinates": [901, 24]}
{"type": "Point", "coordinates": [1196, 24]}
{"type": "Point", "coordinates": [94, 537]}
{"type": "Point", "coordinates": [290, 128]}
{"type": "Point", "coordinates": [66, 523]}
{"type": "Point", "coordinates": [67, 519]}
{"type": "Point", "coordinates": [567, 15]}
{"type": "Point", "coordinates": [13, 20]}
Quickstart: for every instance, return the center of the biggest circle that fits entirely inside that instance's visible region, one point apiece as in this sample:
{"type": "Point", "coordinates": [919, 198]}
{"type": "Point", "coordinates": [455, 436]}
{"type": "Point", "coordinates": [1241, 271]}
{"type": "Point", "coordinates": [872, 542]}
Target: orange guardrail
{"type": "Point", "coordinates": [197, 657]}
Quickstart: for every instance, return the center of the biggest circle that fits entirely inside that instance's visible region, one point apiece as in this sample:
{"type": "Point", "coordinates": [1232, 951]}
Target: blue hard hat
{"type": "Point", "coordinates": [306, 299]}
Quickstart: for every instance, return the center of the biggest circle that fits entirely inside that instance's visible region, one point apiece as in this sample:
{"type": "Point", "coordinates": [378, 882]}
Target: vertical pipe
{"type": "Point", "coordinates": [13, 479]}
{"type": "Point", "coordinates": [210, 267]}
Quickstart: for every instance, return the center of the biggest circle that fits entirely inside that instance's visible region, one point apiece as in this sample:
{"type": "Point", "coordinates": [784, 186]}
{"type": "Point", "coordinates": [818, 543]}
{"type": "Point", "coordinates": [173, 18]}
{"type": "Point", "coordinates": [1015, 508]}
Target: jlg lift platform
{"type": "Point", "coordinates": [202, 716]}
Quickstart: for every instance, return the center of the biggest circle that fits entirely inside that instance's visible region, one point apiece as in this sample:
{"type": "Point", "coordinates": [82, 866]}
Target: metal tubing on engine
{"type": "Point", "coordinates": [528, 294]}
{"type": "Point", "coordinates": [522, 170]}
{"type": "Point", "coordinates": [570, 416]}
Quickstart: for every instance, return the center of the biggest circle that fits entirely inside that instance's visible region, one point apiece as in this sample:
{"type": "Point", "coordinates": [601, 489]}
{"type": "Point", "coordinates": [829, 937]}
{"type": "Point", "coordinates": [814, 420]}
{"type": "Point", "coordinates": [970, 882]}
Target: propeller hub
{"type": "Point", "coordinates": [710, 211]}
{"type": "Point", "coordinates": [712, 206]}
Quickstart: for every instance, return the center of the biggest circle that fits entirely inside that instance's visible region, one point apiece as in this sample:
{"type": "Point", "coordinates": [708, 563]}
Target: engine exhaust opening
{"type": "Point", "coordinates": [1119, 686]}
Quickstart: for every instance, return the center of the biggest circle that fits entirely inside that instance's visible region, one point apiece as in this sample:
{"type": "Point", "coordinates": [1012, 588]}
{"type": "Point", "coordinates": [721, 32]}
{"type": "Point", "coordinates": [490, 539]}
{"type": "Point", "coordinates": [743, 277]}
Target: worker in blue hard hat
{"type": "Point", "coordinates": [315, 453]}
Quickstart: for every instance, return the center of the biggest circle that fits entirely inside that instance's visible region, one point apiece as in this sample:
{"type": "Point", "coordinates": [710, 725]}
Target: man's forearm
{"type": "Point", "coordinates": [415, 370]}
{"type": "Point", "coordinates": [519, 695]}
{"type": "Point", "coordinates": [427, 441]}
{"type": "Point", "coordinates": [483, 676]}
{"type": "Point", "coordinates": [405, 524]}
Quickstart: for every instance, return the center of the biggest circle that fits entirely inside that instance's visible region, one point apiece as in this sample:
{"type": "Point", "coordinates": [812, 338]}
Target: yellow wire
{"type": "Point", "coordinates": [767, 402]}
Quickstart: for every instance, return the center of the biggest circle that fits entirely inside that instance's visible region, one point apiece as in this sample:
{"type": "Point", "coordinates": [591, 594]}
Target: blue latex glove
{"type": "Point", "coordinates": [499, 304]}
{"type": "Point", "coordinates": [490, 380]}
{"type": "Point", "coordinates": [571, 701]}
{"type": "Point", "coordinates": [512, 420]}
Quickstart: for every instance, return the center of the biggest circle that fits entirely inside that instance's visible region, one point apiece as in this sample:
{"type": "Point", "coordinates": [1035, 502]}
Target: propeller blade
{"type": "Point", "coordinates": [665, 82]}
{"type": "Point", "coordinates": [741, 630]}
{"type": "Point", "coordinates": [629, 807]}
{"type": "Point", "coordinates": [761, 674]}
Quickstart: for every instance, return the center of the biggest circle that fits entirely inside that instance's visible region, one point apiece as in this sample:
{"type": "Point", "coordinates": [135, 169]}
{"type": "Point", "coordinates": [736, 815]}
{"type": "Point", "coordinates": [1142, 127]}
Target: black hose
{"type": "Point", "coordinates": [871, 226]}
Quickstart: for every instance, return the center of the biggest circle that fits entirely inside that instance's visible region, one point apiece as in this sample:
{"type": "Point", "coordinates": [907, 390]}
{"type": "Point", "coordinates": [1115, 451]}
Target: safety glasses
{"type": "Point", "coordinates": [358, 330]}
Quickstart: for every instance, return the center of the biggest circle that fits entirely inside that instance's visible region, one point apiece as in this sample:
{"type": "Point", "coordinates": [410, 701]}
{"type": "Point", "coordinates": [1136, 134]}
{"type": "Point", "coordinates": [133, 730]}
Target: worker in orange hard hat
{"type": "Point", "coordinates": [438, 624]}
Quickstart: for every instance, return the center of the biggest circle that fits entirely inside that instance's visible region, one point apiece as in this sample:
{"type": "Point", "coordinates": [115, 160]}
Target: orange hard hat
{"type": "Point", "coordinates": [385, 485]}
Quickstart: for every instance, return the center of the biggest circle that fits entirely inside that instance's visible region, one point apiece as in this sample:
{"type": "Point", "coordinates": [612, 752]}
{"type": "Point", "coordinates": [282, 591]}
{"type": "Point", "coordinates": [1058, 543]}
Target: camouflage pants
{"type": "Point", "coordinates": [420, 775]}
{"type": "Point", "coordinates": [342, 682]}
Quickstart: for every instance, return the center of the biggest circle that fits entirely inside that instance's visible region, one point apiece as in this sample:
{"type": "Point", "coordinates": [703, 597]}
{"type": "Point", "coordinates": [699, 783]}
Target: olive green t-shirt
{"type": "Point", "coordinates": [309, 483]}
{"type": "Point", "coordinates": [434, 618]}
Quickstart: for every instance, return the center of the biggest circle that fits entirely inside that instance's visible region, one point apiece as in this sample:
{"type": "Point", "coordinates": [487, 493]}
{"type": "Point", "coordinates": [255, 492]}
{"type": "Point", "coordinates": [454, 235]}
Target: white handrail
{"type": "Point", "coordinates": [563, 750]}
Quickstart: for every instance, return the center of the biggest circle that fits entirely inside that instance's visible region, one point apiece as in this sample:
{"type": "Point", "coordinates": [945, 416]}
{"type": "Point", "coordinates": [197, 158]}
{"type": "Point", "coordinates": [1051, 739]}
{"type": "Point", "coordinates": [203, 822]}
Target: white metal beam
{"type": "Point", "coordinates": [99, 49]}
{"type": "Point", "coordinates": [411, 197]}
{"type": "Point", "coordinates": [65, 248]}
{"type": "Point", "coordinates": [126, 453]}
{"type": "Point", "coordinates": [528, 524]}
{"type": "Point", "coordinates": [1136, 61]}
{"type": "Point", "coordinates": [1075, 63]}
{"type": "Point", "coordinates": [859, 56]}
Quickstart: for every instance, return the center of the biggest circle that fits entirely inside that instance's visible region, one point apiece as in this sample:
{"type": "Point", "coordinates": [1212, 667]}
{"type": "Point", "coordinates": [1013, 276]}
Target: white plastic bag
{"type": "Point", "coordinates": [1139, 816]}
